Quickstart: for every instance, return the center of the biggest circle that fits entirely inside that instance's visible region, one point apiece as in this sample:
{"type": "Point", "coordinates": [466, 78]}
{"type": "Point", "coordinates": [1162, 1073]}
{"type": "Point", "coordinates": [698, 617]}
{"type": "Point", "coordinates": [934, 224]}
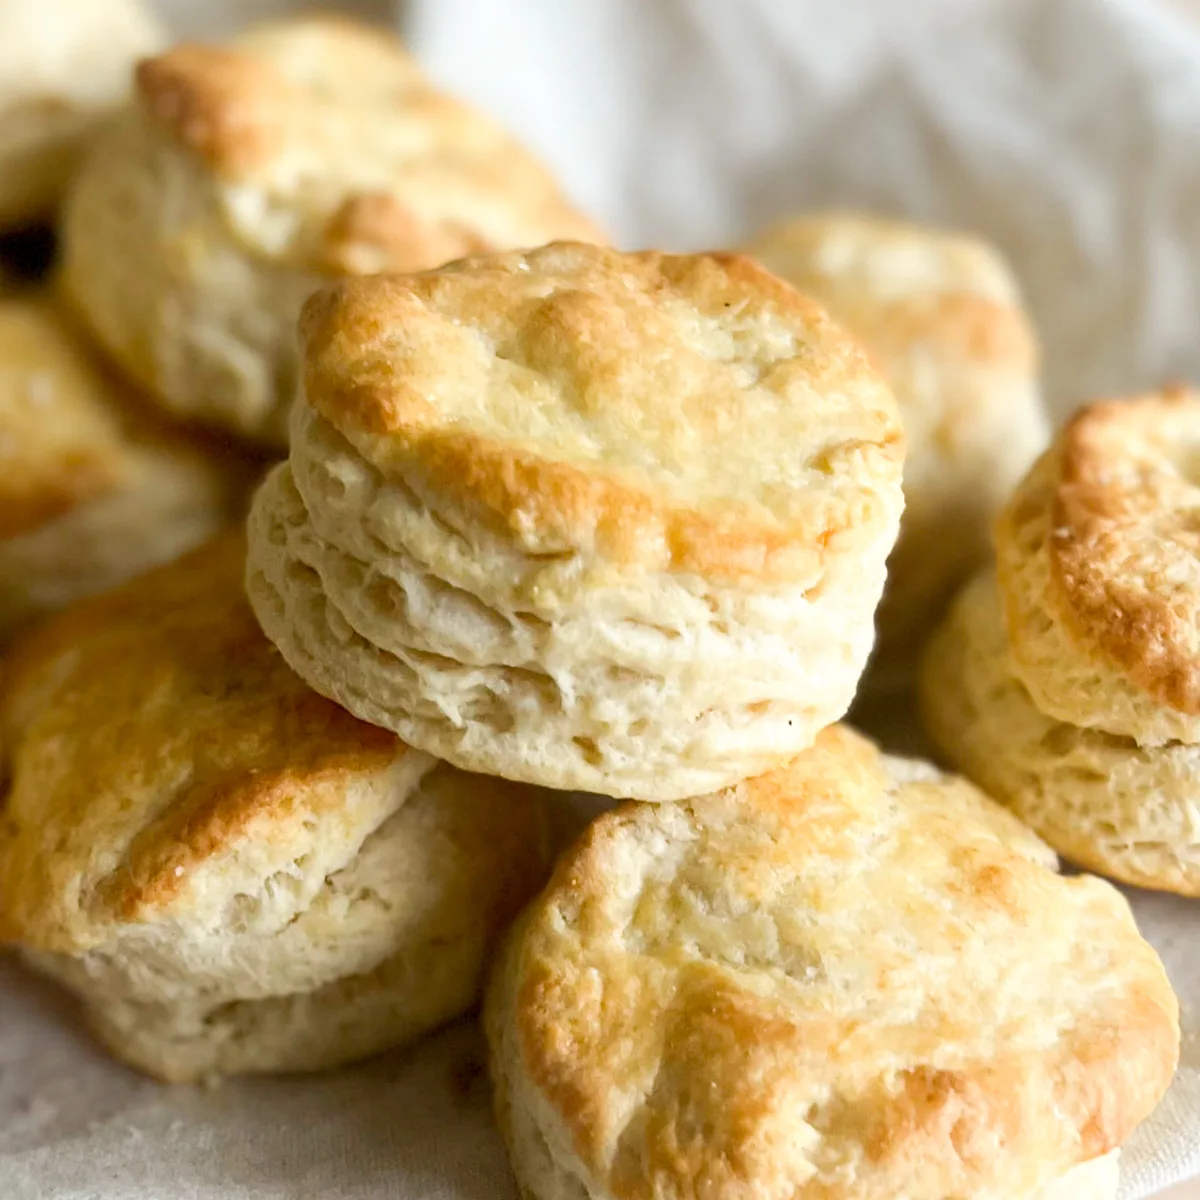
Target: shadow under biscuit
{"type": "Point", "coordinates": [27, 254]}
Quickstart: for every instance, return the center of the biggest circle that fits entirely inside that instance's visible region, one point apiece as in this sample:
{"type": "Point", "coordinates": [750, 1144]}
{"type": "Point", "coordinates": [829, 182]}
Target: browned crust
{"type": "Point", "coordinates": [97, 432]}
{"type": "Point", "coordinates": [352, 380]}
{"type": "Point", "coordinates": [728, 1059]}
{"type": "Point", "coordinates": [1117, 486]}
{"type": "Point", "coordinates": [235, 108]}
{"type": "Point", "coordinates": [60, 457]}
{"type": "Point", "coordinates": [219, 102]}
{"type": "Point", "coordinates": [209, 819]}
{"type": "Point", "coordinates": [69, 481]}
{"type": "Point", "coordinates": [256, 748]}
{"type": "Point", "coordinates": [377, 225]}
{"type": "Point", "coordinates": [299, 90]}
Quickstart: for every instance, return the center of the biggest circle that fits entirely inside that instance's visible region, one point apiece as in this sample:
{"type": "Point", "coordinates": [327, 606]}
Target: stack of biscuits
{"type": "Point", "coordinates": [200, 197]}
{"type": "Point", "coordinates": [554, 519]}
{"type": "Point", "coordinates": [1066, 680]}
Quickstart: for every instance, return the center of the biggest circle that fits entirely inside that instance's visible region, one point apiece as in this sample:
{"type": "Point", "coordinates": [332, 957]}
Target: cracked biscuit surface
{"type": "Point", "coordinates": [94, 487]}
{"type": "Point", "coordinates": [233, 873]}
{"type": "Point", "coordinates": [244, 176]}
{"type": "Point", "coordinates": [852, 977]}
{"type": "Point", "coordinates": [941, 315]}
{"type": "Point", "coordinates": [592, 520]}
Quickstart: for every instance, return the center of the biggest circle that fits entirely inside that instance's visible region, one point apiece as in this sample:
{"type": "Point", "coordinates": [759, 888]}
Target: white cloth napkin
{"type": "Point", "coordinates": [1067, 130]}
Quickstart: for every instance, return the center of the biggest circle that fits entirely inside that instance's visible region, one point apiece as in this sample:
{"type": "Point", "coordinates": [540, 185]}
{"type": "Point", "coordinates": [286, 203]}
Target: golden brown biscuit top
{"type": "Point", "coordinates": [850, 978]}
{"type": "Point", "coordinates": [332, 151]}
{"type": "Point", "coordinates": [899, 286]}
{"type": "Point", "coordinates": [690, 412]}
{"type": "Point", "coordinates": [61, 440]}
{"type": "Point", "coordinates": [150, 735]}
{"type": "Point", "coordinates": [1120, 491]}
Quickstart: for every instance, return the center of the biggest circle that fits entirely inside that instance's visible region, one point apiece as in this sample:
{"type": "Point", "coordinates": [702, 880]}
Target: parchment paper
{"type": "Point", "coordinates": [1066, 130]}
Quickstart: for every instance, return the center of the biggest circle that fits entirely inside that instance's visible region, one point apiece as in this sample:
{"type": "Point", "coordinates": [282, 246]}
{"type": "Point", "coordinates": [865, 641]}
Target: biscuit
{"type": "Point", "coordinates": [233, 873]}
{"type": "Point", "coordinates": [609, 522]}
{"type": "Point", "coordinates": [66, 67]}
{"type": "Point", "coordinates": [942, 317]}
{"type": "Point", "coordinates": [1128, 811]}
{"type": "Point", "coordinates": [1098, 555]}
{"type": "Point", "coordinates": [93, 487]}
{"type": "Point", "coordinates": [242, 177]}
{"type": "Point", "coordinates": [852, 977]}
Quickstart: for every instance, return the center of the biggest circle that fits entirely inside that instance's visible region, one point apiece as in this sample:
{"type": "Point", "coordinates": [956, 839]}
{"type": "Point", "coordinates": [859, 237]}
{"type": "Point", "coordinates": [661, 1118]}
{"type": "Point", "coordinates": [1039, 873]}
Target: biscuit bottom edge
{"type": "Point", "coordinates": [193, 1040]}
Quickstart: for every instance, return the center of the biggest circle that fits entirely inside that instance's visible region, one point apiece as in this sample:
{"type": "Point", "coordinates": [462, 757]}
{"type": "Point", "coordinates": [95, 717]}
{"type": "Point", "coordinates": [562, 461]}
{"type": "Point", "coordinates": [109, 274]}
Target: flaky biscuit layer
{"type": "Point", "coordinates": [1131, 812]}
{"type": "Point", "coordinates": [600, 521]}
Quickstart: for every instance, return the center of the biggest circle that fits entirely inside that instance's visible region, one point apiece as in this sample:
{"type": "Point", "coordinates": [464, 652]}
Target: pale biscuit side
{"type": "Point", "coordinates": [1128, 811]}
{"type": "Point", "coordinates": [602, 695]}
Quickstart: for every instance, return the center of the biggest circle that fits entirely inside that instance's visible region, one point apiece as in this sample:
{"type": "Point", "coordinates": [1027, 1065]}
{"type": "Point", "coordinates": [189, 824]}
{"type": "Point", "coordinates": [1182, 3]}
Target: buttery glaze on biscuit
{"type": "Point", "coordinates": [941, 316]}
{"type": "Point", "coordinates": [93, 488]}
{"type": "Point", "coordinates": [232, 872]}
{"type": "Point", "coordinates": [854, 977]}
{"type": "Point", "coordinates": [1099, 567]}
{"type": "Point", "coordinates": [594, 520]}
{"type": "Point", "coordinates": [244, 176]}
